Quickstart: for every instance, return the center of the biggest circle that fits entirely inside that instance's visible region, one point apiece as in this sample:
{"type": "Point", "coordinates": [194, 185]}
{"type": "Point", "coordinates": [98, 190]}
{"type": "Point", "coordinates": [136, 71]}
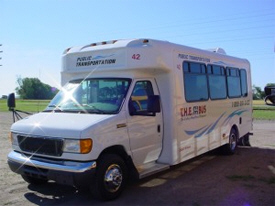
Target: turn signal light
{"type": "Point", "coordinates": [86, 146]}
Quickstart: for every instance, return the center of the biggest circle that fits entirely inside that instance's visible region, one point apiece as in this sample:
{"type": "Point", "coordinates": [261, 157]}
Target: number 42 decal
{"type": "Point", "coordinates": [136, 56]}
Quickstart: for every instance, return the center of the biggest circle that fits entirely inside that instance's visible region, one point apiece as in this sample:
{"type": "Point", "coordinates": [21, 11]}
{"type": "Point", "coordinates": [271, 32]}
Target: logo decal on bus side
{"type": "Point", "coordinates": [193, 112]}
{"type": "Point", "coordinates": [95, 60]}
{"type": "Point", "coordinates": [194, 58]}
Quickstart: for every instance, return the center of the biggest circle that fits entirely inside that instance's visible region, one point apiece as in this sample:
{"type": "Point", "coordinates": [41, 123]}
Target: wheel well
{"type": "Point", "coordinates": [120, 151]}
{"type": "Point", "coordinates": [237, 130]}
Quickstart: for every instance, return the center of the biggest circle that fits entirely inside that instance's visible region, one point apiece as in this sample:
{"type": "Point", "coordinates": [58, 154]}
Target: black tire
{"type": "Point", "coordinates": [244, 141]}
{"type": "Point", "coordinates": [111, 176]}
{"type": "Point", "coordinates": [231, 146]}
{"type": "Point", "coordinates": [33, 180]}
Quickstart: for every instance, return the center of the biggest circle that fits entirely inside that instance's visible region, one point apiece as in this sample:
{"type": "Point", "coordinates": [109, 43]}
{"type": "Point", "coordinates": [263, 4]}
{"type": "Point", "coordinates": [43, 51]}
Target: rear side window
{"type": "Point", "coordinates": [243, 82]}
{"type": "Point", "coordinates": [233, 82]}
{"type": "Point", "coordinates": [217, 82]}
{"type": "Point", "coordinates": [195, 82]}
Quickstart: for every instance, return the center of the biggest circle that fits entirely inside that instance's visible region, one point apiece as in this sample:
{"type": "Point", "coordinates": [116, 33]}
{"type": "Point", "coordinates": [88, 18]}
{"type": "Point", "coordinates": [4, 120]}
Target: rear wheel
{"type": "Point", "coordinates": [33, 180]}
{"type": "Point", "coordinates": [111, 177]}
{"type": "Point", "coordinates": [244, 141]}
{"type": "Point", "coordinates": [231, 146]}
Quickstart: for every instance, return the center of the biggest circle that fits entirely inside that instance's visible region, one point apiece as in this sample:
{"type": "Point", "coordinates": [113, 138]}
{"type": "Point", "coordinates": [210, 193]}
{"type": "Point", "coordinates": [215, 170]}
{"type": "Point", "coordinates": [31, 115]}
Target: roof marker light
{"type": "Point", "coordinates": [67, 50]}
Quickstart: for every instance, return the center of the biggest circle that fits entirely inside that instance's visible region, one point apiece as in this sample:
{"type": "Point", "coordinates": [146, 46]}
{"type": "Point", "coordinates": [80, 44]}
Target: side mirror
{"type": "Point", "coordinates": [11, 105]}
{"type": "Point", "coordinates": [153, 104]}
{"type": "Point", "coordinates": [132, 109]}
{"type": "Point", "coordinates": [11, 101]}
{"type": "Point", "coordinates": [150, 107]}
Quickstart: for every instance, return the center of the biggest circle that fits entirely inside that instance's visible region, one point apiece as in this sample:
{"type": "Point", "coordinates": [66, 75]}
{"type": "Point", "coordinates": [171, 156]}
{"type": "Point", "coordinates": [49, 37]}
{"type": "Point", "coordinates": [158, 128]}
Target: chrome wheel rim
{"type": "Point", "coordinates": [113, 178]}
{"type": "Point", "coordinates": [233, 141]}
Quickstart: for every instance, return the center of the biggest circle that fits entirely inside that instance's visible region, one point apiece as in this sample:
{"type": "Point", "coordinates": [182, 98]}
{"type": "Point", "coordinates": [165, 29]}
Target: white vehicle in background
{"type": "Point", "coordinates": [133, 106]}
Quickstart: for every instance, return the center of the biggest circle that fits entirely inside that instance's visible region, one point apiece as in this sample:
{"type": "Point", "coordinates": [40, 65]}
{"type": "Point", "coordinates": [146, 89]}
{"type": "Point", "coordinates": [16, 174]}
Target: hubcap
{"type": "Point", "coordinates": [113, 178]}
{"type": "Point", "coordinates": [233, 141]}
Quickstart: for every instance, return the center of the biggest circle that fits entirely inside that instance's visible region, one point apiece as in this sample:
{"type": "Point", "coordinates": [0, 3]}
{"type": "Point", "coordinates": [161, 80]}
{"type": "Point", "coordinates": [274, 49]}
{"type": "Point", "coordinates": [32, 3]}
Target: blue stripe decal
{"type": "Point", "coordinates": [194, 132]}
{"type": "Point", "coordinates": [214, 125]}
{"type": "Point", "coordinates": [206, 129]}
{"type": "Point", "coordinates": [210, 127]}
{"type": "Point", "coordinates": [237, 112]}
{"type": "Point", "coordinates": [200, 134]}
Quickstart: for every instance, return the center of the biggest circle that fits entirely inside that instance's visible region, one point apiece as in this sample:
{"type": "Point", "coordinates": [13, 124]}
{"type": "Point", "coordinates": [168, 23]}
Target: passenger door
{"type": "Point", "coordinates": [145, 128]}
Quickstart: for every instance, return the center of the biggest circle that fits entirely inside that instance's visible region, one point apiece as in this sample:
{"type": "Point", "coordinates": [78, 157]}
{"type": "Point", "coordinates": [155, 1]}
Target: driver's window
{"type": "Point", "coordinates": [139, 97]}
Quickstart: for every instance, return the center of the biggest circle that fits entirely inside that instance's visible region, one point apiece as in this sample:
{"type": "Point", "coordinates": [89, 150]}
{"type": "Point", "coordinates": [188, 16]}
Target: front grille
{"type": "Point", "coordinates": [41, 145]}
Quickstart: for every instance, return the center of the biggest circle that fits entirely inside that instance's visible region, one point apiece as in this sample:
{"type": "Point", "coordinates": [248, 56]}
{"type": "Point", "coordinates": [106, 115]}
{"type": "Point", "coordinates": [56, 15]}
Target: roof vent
{"type": "Point", "coordinates": [217, 50]}
{"type": "Point", "coordinates": [99, 43]}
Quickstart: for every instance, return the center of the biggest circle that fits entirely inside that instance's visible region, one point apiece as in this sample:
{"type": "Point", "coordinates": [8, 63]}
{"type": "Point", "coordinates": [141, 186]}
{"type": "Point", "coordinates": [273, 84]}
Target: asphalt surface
{"type": "Point", "coordinates": [246, 178]}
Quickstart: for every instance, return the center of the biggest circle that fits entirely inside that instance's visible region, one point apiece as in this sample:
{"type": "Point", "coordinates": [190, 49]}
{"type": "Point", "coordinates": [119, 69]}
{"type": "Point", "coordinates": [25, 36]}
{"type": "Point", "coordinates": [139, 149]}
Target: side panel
{"type": "Point", "coordinates": [205, 125]}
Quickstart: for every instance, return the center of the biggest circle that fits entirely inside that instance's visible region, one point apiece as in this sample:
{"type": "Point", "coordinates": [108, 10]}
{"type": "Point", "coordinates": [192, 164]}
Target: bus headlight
{"type": "Point", "coordinates": [13, 139]}
{"type": "Point", "coordinates": [82, 146]}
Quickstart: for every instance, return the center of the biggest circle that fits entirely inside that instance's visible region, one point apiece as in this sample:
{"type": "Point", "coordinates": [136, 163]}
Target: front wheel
{"type": "Point", "coordinates": [111, 177]}
{"type": "Point", "coordinates": [231, 146]}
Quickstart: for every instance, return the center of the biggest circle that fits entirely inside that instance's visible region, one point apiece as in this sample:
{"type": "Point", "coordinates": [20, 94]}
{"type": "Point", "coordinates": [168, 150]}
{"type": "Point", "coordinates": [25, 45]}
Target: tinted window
{"type": "Point", "coordinates": [217, 82]}
{"type": "Point", "coordinates": [140, 94]}
{"type": "Point", "coordinates": [233, 83]}
{"type": "Point", "coordinates": [233, 72]}
{"type": "Point", "coordinates": [243, 82]}
{"type": "Point", "coordinates": [195, 82]}
{"type": "Point", "coordinates": [195, 68]}
{"type": "Point", "coordinates": [186, 67]}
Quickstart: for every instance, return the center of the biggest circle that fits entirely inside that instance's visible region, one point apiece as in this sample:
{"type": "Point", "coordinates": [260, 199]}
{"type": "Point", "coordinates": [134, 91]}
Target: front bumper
{"type": "Point", "coordinates": [63, 172]}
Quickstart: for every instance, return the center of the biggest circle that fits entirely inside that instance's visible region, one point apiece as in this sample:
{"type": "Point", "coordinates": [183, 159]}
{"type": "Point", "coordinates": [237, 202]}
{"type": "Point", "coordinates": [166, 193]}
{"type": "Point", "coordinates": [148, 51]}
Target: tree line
{"type": "Point", "coordinates": [33, 88]}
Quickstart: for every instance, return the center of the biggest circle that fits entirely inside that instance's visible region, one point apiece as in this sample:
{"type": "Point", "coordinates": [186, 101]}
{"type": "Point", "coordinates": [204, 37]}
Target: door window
{"type": "Point", "coordinates": [139, 97]}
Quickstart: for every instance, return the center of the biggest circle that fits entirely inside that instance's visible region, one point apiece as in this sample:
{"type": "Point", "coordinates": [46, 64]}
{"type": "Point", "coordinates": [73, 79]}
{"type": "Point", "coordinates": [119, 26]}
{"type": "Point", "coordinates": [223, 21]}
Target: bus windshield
{"type": "Point", "coordinates": [97, 95]}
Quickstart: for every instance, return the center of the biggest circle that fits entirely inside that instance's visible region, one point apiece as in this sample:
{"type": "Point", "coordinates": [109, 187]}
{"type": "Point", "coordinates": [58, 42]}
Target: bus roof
{"type": "Point", "coordinates": [138, 54]}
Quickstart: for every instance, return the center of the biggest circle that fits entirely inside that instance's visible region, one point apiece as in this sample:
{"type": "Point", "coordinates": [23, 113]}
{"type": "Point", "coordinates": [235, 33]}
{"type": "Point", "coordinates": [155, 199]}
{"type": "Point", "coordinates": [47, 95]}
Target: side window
{"type": "Point", "coordinates": [140, 94]}
{"type": "Point", "coordinates": [233, 82]}
{"type": "Point", "coordinates": [217, 82]}
{"type": "Point", "coordinates": [243, 82]}
{"type": "Point", "coordinates": [195, 82]}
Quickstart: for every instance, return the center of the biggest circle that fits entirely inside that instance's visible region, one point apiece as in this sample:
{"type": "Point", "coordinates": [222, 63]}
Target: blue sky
{"type": "Point", "coordinates": [34, 33]}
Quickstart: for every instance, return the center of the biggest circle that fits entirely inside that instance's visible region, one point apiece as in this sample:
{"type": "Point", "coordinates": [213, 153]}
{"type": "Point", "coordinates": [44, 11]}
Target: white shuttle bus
{"type": "Point", "coordinates": [133, 106]}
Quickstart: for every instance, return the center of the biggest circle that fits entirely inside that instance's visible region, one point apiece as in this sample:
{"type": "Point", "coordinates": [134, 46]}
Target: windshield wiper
{"type": "Point", "coordinates": [56, 108]}
{"type": "Point", "coordinates": [94, 109]}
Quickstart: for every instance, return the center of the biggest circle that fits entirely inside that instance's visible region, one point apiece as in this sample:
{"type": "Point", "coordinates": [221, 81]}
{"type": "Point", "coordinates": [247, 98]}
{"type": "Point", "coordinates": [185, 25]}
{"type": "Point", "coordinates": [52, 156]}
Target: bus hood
{"type": "Point", "coordinates": [66, 125]}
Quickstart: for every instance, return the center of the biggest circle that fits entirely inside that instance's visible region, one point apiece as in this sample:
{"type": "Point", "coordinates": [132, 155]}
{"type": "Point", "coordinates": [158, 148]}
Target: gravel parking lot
{"type": "Point", "coordinates": [246, 178]}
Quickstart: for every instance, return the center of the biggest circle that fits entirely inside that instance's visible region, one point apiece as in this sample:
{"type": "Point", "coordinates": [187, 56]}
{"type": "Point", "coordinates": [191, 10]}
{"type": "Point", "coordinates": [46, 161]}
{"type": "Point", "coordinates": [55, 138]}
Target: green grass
{"type": "Point", "coordinates": [264, 114]}
{"type": "Point", "coordinates": [25, 105]}
{"type": "Point", "coordinates": [258, 102]}
{"type": "Point", "coordinates": [260, 110]}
